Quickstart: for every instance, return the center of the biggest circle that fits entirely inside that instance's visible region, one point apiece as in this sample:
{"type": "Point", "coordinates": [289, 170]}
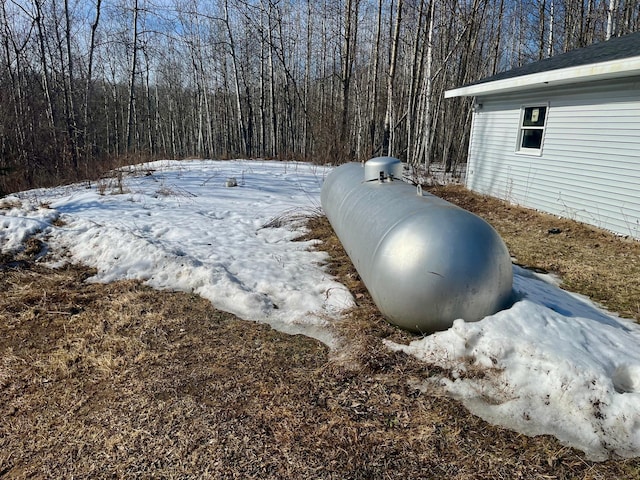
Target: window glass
{"type": "Point", "coordinates": [531, 138]}
{"type": "Point", "coordinates": [531, 131]}
{"type": "Point", "coordinates": [534, 116]}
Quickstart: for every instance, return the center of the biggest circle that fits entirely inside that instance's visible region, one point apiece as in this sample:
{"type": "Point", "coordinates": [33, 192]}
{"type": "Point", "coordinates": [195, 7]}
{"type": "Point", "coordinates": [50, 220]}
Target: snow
{"type": "Point", "coordinates": [20, 221]}
{"type": "Point", "coordinates": [553, 363]}
{"type": "Point", "coordinates": [177, 226]}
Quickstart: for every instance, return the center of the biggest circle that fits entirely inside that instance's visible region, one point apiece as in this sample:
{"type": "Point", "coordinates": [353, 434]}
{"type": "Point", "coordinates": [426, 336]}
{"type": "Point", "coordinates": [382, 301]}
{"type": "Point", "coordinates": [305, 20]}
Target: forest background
{"type": "Point", "coordinates": [89, 85]}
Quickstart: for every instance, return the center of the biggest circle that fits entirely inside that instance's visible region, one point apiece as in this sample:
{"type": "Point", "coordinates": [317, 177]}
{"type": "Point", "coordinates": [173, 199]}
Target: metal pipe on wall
{"type": "Point", "coordinates": [425, 261]}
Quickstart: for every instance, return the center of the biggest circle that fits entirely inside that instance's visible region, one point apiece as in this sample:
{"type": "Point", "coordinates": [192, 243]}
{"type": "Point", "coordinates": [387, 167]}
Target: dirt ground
{"type": "Point", "coordinates": [122, 381]}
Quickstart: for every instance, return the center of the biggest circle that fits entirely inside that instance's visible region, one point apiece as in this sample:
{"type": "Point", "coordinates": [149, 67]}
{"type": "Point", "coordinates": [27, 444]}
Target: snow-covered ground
{"type": "Point", "coordinates": [553, 363]}
{"type": "Point", "coordinates": [177, 226]}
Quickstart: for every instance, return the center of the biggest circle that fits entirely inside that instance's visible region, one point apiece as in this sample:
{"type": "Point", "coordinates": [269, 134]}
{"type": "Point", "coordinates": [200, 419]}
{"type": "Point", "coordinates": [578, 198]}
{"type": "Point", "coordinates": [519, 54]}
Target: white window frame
{"type": "Point", "coordinates": [522, 128]}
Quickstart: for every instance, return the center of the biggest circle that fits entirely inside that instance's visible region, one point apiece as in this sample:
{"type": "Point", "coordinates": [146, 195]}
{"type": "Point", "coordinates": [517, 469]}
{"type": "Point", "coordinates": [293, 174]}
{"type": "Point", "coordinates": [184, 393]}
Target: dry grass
{"type": "Point", "coordinates": [8, 204]}
{"type": "Point", "coordinates": [123, 381]}
{"type": "Point", "coordinates": [590, 261]}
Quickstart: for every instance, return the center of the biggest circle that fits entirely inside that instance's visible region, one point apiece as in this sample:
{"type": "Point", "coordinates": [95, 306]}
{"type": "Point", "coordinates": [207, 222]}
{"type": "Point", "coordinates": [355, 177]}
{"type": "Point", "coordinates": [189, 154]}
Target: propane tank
{"type": "Point", "coordinates": [425, 261]}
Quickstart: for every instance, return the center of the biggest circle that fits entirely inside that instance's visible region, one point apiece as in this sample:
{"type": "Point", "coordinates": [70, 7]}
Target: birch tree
{"type": "Point", "coordinates": [611, 18]}
{"type": "Point", "coordinates": [348, 51]}
{"type": "Point", "coordinates": [387, 144]}
{"type": "Point", "coordinates": [327, 80]}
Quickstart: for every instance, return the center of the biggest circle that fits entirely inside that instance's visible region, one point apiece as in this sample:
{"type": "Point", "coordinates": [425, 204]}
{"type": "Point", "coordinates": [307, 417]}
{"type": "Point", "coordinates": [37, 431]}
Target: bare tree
{"type": "Point", "coordinates": [348, 51]}
{"type": "Point", "coordinates": [88, 91]}
{"type": "Point", "coordinates": [551, 29]}
{"type": "Point", "coordinates": [387, 146]}
{"type": "Point", "coordinates": [133, 67]}
{"type": "Point", "coordinates": [373, 76]}
{"type": "Point", "coordinates": [319, 80]}
{"type": "Point", "coordinates": [611, 18]}
{"type": "Point", "coordinates": [496, 34]}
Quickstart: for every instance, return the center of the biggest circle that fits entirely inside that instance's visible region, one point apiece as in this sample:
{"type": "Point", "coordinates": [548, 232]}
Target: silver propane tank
{"type": "Point", "coordinates": [425, 261]}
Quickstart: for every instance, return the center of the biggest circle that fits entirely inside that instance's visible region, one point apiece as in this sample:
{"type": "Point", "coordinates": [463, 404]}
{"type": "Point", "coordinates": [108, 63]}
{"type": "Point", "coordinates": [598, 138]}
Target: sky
{"type": "Point", "coordinates": [553, 363]}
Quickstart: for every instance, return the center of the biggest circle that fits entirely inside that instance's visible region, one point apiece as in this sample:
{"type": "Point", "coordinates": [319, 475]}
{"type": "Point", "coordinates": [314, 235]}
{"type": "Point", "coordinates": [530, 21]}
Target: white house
{"type": "Point", "coordinates": [562, 135]}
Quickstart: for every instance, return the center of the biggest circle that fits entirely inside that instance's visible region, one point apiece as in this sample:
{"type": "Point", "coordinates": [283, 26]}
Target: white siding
{"type": "Point", "coordinates": [589, 169]}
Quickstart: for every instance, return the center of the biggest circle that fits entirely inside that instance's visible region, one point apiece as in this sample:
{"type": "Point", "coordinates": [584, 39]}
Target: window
{"type": "Point", "coordinates": [532, 129]}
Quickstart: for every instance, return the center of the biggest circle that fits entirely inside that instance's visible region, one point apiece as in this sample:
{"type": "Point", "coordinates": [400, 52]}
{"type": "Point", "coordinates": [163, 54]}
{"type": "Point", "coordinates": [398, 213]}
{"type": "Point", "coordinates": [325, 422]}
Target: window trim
{"type": "Point", "coordinates": [521, 128]}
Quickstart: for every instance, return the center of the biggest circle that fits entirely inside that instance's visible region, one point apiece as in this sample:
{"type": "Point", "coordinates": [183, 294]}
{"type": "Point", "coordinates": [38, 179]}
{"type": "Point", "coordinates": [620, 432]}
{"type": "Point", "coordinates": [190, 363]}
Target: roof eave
{"type": "Point", "coordinates": [626, 67]}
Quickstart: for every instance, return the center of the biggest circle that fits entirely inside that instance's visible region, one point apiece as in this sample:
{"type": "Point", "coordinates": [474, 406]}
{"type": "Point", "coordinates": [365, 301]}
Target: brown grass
{"type": "Point", "coordinates": [590, 261]}
{"type": "Point", "coordinates": [123, 381]}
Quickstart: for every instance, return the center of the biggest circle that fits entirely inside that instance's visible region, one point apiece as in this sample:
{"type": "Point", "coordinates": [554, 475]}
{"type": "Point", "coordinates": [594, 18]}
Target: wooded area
{"type": "Point", "coordinates": [85, 85]}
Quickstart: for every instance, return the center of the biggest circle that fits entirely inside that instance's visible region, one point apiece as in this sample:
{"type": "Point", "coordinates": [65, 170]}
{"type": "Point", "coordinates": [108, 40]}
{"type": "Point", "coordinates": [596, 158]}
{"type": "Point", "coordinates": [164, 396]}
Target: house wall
{"type": "Point", "coordinates": [589, 169]}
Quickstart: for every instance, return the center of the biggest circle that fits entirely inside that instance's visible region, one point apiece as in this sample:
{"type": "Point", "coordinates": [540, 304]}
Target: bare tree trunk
{"type": "Point", "coordinates": [88, 91]}
{"type": "Point", "coordinates": [611, 18]}
{"type": "Point", "coordinates": [13, 66]}
{"type": "Point", "coordinates": [588, 27]}
{"type": "Point", "coordinates": [115, 109]}
{"type": "Point", "coordinates": [307, 132]}
{"type": "Point", "coordinates": [387, 147]}
{"type": "Point", "coordinates": [412, 96]}
{"type": "Point", "coordinates": [630, 18]}
{"type": "Point", "coordinates": [425, 149]}
{"type": "Point", "coordinates": [45, 77]}
{"type": "Point", "coordinates": [542, 14]}
{"type": "Point", "coordinates": [263, 86]}
{"type": "Point", "coordinates": [272, 94]}
{"type": "Point", "coordinates": [551, 30]}
{"type": "Point", "coordinates": [242, 133]}
{"type": "Point", "coordinates": [72, 124]}
{"type": "Point", "coordinates": [349, 38]}
{"type": "Point", "coordinates": [373, 75]}
{"type": "Point", "coordinates": [149, 104]}
{"type": "Point", "coordinates": [159, 131]}
{"type": "Point", "coordinates": [132, 77]}
{"type": "Point", "coordinates": [497, 37]}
